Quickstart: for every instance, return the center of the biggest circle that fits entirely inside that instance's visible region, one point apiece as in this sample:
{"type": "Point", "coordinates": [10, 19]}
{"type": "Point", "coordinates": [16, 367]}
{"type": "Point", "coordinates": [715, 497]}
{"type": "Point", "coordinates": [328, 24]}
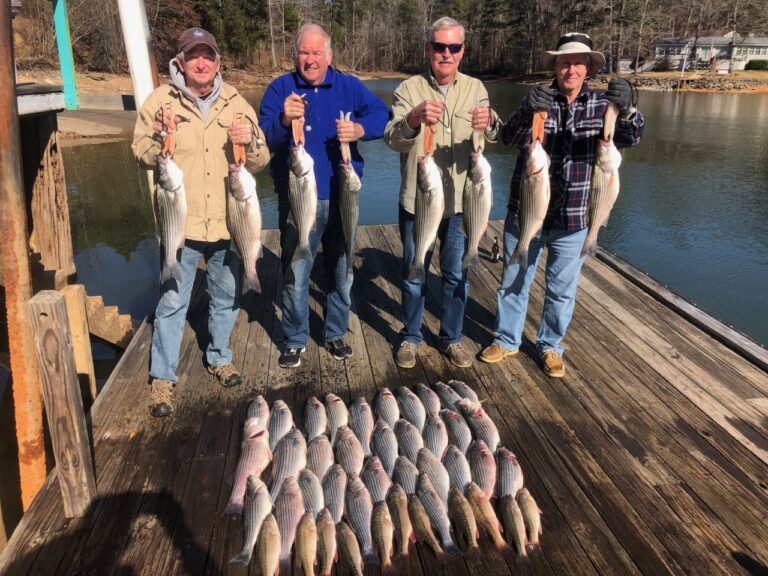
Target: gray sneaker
{"type": "Point", "coordinates": [161, 402]}
{"type": "Point", "coordinates": [406, 354]}
{"type": "Point", "coordinates": [457, 355]}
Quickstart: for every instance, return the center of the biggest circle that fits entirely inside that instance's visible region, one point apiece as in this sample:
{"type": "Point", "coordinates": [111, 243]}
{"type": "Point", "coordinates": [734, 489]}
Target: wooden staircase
{"type": "Point", "coordinates": [107, 324]}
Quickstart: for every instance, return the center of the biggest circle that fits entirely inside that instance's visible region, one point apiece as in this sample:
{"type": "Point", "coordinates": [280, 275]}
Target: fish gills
{"type": "Point", "coordinates": [171, 204]}
{"type": "Point", "coordinates": [476, 207]}
{"type": "Point", "coordinates": [244, 223]}
{"type": "Point", "coordinates": [429, 209]}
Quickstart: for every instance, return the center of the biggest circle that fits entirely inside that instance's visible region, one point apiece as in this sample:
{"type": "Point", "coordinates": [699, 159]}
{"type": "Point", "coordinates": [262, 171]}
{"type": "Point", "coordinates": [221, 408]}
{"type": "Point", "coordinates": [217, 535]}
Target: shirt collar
{"type": "Point", "coordinates": [582, 95]}
{"type": "Point", "coordinates": [433, 82]}
{"type": "Point", "coordinates": [326, 83]}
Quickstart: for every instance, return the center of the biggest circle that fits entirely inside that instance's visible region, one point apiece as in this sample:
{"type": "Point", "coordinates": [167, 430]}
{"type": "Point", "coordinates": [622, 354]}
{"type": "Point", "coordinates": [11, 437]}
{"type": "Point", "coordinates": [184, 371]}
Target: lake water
{"type": "Point", "coordinates": [693, 210]}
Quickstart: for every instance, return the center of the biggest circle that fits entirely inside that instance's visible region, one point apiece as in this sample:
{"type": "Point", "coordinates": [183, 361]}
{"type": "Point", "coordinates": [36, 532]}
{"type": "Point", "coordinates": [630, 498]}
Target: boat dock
{"type": "Point", "coordinates": [650, 456]}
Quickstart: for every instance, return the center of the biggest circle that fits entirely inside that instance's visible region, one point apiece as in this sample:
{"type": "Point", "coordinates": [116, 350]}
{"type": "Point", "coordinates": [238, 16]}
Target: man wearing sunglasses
{"type": "Point", "coordinates": [573, 127]}
{"type": "Point", "coordinates": [452, 105]}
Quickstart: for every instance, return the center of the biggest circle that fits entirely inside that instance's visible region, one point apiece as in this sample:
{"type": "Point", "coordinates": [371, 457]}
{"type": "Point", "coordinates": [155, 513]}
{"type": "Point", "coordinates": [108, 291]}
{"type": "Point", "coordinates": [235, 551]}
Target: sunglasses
{"type": "Point", "coordinates": [439, 47]}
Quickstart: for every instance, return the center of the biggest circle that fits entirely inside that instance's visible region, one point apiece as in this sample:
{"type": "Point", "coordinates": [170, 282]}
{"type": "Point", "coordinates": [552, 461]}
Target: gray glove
{"type": "Point", "coordinates": [620, 92]}
{"type": "Point", "coordinates": [541, 97]}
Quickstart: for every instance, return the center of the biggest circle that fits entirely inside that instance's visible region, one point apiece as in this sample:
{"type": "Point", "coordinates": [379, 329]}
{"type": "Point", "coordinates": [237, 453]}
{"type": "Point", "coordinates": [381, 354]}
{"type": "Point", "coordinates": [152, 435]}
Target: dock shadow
{"type": "Point", "coordinates": [752, 566]}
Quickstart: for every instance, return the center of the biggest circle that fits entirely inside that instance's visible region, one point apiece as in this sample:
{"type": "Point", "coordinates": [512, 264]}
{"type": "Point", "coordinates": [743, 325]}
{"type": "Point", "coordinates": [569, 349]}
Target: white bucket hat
{"type": "Point", "coordinates": [574, 43]}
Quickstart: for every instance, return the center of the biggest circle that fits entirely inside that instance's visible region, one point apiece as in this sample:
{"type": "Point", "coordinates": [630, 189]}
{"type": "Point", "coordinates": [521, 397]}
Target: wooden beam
{"type": "Point", "coordinates": [14, 260]}
{"type": "Point", "coordinates": [74, 297]}
{"type": "Point", "coordinates": [63, 404]}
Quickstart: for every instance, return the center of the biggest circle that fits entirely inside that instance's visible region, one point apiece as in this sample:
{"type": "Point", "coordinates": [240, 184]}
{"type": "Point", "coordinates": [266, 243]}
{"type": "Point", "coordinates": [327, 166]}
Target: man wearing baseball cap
{"type": "Point", "coordinates": [573, 127]}
{"type": "Point", "coordinates": [200, 110]}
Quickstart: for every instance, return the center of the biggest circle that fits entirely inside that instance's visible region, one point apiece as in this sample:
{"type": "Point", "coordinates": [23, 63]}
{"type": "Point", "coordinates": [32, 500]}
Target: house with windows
{"type": "Point", "coordinates": [749, 48]}
{"type": "Point", "coordinates": [689, 51]}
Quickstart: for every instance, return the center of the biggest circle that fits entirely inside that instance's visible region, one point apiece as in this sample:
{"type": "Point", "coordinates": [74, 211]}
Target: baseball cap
{"type": "Point", "coordinates": [192, 37]}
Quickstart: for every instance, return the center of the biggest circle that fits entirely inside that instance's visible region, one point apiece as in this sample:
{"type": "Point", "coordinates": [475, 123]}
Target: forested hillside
{"type": "Point", "coordinates": [503, 36]}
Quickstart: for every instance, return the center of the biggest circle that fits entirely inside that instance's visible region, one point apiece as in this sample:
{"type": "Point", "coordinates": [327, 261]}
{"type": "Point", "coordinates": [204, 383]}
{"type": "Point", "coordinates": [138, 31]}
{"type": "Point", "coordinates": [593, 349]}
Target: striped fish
{"type": "Point", "coordinates": [514, 525]}
{"type": "Point", "coordinates": [349, 198]}
{"type": "Point", "coordinates": [289, 508]}
{"type": "Point", "coordinates": [171, 207]}
{"type": "Point", "coordinates": [290, 457]}
{"type": "Point", "coordinates": [435, 505]}
{"type": "Point", "coordinates": [430, 466]}
{"type": "Point", "coordinates": [483, 428]}
{"type": "Point", "coordinates": [358, 509]}
{"type": "Point", "coordinates": [459, 433]}
{"type": "Point", "coordinates": [375, 479]}
{"type": "Point", "coordinates": [337, 414]}
{"type": "Point", "coordinates": [311, 492]}
{"type": "Point", "coordinates": [361, 422]}
{"type": "Point", "coordinates": [385, 407]}
{"type": "Point", "coordinates": [509, 474]}
{"type": "Point", "coordinates": [476, 207]}
{"type": "Point", "coordinates": [255, 455]}
{"type": "Point", "coordinates": [464, 390]}
{"type": "Point", "coordinates": [326, 542]}
{"type": "Point", "coordinates": [280, 422]}
{"type": "Point", "coordinates": [531, 516]}
{"type": "Point", "coordinates": [258, 506]}
{"type": "Point", "coordinates": [319, 456]}
{"type": "Point", "coordinates": [429, 209]}
{"type": "Point", "coordinates": [397, 500]}
{"type": "Point", "coordinates": [384, 445]}
{"type": "Point", "coordinates": [428, 398]}
{"type": "Point", "coordinates": [244, 223]}
{"type": "Point", "coordinates": [405, 474]}
{"type": "Point", "coordinates": [258, 408]}
{"type": "Point", "coordinates": [447, 395]}
{"type": "Point", "coordinates": [348, 451]}
{"type": "Point", "coordinates": [483, 467]}
{"type": "Point", "coordinates": [411, 407]}
{"type": "Point", "coordinates": [334, 487]}
{"type": "Point", "coordinates": [315, 419]}
{"type": "Point", "coordinates": [435, 435]}
{"type": "Point", "coordinates": [459, 474]}
{"type": "Point", "coordinates": [302, 194]}
{"type": "Point", "coordinates": [306, 544]}
{"type": "Point", "coordinates": [463, 520]}
{"type": "Point", "coordinates": [409, 440]}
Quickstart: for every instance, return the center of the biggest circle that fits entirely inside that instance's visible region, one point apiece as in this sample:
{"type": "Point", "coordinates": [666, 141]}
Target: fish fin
{"type": "Point", "coordinates": [471, 259]}
{"type": "Point", "coordinates": [284, 566]}
{"type": "Point", "coordinates": [590, 247]}
{"type": "Point", "coordinates": [370, 558]}
{"type": "Point", "coordinates": [303, 253]}
{"type": "Point", "coordinates": [452, 550]}
{"type": "Point", "coordinates": [171, 269]}
{"type": "Point", "coordinates": [243, 558]}
{"type": "Point", "coordinates": [520, 257]}
{"type": "Point", "coordinates": [417, 271]}
{"type": "Point", "coordinates": [233, 507]}
{"type": "Point", "coordinates": [251, 284]}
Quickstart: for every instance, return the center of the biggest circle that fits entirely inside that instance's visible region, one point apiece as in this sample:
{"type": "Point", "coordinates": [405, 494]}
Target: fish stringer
{"type": "Point", "coordinates": [169, 130]}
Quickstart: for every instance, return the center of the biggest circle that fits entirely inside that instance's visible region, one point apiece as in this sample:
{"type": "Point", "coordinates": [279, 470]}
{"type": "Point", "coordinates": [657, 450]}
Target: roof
{"type": "Point", "coordinates": [753, 41]}
{"type": "Point", "coordinates": [673, 40]}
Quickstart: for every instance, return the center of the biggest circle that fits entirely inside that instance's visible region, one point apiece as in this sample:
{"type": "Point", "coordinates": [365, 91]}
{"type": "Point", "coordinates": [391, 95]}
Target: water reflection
{"type": "Point", "coordinates": [692, 211]}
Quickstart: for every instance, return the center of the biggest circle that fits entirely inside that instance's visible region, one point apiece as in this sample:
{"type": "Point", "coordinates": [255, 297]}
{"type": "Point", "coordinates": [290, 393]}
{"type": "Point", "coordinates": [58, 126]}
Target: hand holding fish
{"type": "Point", "coordinates": [428, 112]}
{"type": "Point", "coordinates": [349, 131]}
{"type": "Point", "coordinates": [240, 133]}
{"type": "Point", "coordinates": [620, 93]}
{"type": "Point", "coordinates": [541, 97]}
{"type": "Point", "coordinates": [163, 122]}
{"type": "Point", "coordinates": [293, 108]}
{"type": "Point", "coordinates": [482, 118]}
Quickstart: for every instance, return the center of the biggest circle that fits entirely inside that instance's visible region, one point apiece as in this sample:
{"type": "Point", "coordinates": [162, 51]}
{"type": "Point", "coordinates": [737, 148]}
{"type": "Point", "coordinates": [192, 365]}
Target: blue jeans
{"type": "Point", "coordinates": [223, 270]}
{"type": "Point", "coordinates": [455, 286]}
{"type": "Point", "coordinates": [328, 230]}
{"type": "Point", "coordinates": [562, 273]}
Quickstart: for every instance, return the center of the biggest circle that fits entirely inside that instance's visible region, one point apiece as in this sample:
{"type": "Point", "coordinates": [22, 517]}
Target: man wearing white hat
{"type": "Point", "coordinates": [572, 130]}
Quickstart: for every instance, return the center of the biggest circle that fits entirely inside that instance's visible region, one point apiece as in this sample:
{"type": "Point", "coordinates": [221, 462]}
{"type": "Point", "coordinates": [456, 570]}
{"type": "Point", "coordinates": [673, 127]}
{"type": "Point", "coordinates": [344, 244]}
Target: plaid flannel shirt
{"type": "Point", "coordinates": [571, 135]}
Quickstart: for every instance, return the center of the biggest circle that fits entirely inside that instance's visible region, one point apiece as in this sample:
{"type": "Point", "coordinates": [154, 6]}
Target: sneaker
{"type": "Point", "coordinates": [496, 353]}
{"type": "Point", "coordinates": [457, 355]}
{"type": "Point", "coordinates": [161, 403]}
{"type": "Point", "coordinates": [406, 354]}
{"type": "Point", "coordinates": [552, 363]}
{"type": "Point", "coordinates": [339, 349]}
{"type": "Point", "coordinates": [291, 357]}
{"type": "Point", "coordinates": [226, 374]}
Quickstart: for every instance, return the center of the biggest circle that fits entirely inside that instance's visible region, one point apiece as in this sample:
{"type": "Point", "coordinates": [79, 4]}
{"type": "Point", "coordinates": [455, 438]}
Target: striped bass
{"type": "Point", "coordinates": [429, 399]}
{"type": "Point", "coordinates": [436, 507]}
{"type": "Point", "coordinates": [384, 445]}
{"type": "Point", "coordinates": [605, 181]}
{"type": "Point", "coordinates": [361, 422]}
{"type": "Point", "coordinates": [483, 467]}
{"type": "Point", "coordinates": [435, 435]}
{"type": "Point", "coordinates": [255, 455]}
{"type": "Point", "coordinates": [348, 451]}
{"type": "Point", "coordinates": [483, 428]}
{"type": "Point", "coordinates": [319, 456]}
{"type": "Point", "coordinates": [430, 206]}
{"type": "Point", "coordinates": [315, 419]}
{"type": "Point", "coordinates": [476, 207]}
{"type": "Point", "coordinates": [509, 473]}
{"type": "Point", "coordinates": [337, 414]}
{"type": "Point", "coordinates": [290, 457]}
{"type": "Point", "coordinates": [289, 508]}
{"type": "Point", "coordinates": [244, 223]}
{"type": "Point", "coordinates": [302, 193]}
{"type": "Point", "coordinates": [171, 206]}
{"type": "Point", "coordinates": [375, 479]}
{"type": "Point", "coordinates": [385, 406]}
{"type": "Point", "coordinates": [405, 474]}
{"type": "Point", "coordinates": [280, 422]}
{"type": "Point", "coordinates": [258, 408]}
{"type": "Point", "coordinates": [311, 492]}
{"type": "Point", "coordinates": [429, 466]}
{"type": "Point", "coordinates": [334, 488]}
{"type": "Point", "coordinates": [358, 509]}
{"type": "Point", "coordinates": [409, 440]}
{"type": "Point", "coordinates": [258, 506]}
{"type": "Point", "coordinates": [411, 407]}
{"type": "Point", "coordinates": [464, 390]}
{"type": "Point", "coordinates": [459, 473]}
{"type": "Point", "coordinates": [448, 396]}
{"type": "Point", "coordinates": [459, 433]}
{"type": "Point", "coordinates": [349, 197]}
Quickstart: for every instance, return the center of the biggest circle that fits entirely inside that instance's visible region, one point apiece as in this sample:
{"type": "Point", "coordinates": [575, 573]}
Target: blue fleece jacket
{"type": "Point", "coordinates": [338, 92]}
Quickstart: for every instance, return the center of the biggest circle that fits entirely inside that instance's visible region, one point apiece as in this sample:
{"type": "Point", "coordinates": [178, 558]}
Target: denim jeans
{"type": "Point", "coordinates": [562, 273]}
{"type": "Point", "coordinates": [455, 287]}
{"type": "Point", "coordinates": [223, 270]}
{"type": "Point", "coordinates": [328, 230]}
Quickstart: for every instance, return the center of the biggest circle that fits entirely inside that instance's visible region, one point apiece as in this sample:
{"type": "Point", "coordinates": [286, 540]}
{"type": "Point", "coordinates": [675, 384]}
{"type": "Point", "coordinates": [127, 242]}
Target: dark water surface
{"type": "Point", "coordinates": [693, 210]}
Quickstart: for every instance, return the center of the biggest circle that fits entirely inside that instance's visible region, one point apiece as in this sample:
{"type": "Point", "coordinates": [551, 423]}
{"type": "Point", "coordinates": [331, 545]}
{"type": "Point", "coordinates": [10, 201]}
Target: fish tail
{"type": "Point", "coordinates": [520, 257]}
{"type": "Point", "coordinates": [370, 558]}
{"type": "Point", "coordinates": [233, 507]}
{"type": "Point", "coordinates": [590, 246]}
{"type": "Point", "coordinates": [417, 271]}
{"type": "Point", "coordinates": [388, 568]}
{"type": "Point", "coordinates": [452, 550]}
{"type": "Point", "coordinates": [285, 564]}
{"type": "Point", "coordinates": [251, 283]}
{"type": "Point", "coordinates": [171, 269]}
{"type": "Point", "coordinates": [243, 558]}
{"type": "Point", "coordinates": [472, 551]}
{"type": "Point", "coordinates": [303, 253]}
{"type": "Point", "coordinates": [471, 259]}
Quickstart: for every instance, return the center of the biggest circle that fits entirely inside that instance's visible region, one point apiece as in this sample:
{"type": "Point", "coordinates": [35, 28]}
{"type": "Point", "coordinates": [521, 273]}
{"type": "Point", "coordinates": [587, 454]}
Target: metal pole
{"type": "Point", "coordinates": [66, 61]}
{"type": "Point", "coordinates": [14, 258]}
{"type": "Point", "coordinates": [138, 48]}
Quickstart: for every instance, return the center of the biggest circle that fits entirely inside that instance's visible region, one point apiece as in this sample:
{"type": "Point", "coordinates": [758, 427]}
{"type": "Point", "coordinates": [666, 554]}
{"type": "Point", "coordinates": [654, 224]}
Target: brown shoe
{"type": "Point", "coordinates": [161, 403]}
{"type": "Point", "coordinates": [496, 353]}
{"type": "Point", "coordinates": [552, 363]}
{"type": "Point", "coordinates": [457, 355]}
{"type": "Point", "coordinates": [226, 375]}
{"type": "Point", "coordinates": [406, 354]}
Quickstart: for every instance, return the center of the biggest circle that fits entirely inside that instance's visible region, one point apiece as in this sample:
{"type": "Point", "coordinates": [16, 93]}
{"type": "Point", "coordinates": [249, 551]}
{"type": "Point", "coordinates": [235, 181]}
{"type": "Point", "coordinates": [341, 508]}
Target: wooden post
{"type": "Point", "coordinates": [14, 260]}
{"type": "Point", "coordinates": [63, 404]}
{"type": "Point", "coordinates": [74, 297]}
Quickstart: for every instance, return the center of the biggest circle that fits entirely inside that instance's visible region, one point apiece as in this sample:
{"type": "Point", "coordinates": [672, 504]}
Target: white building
{"type": "Point", "coordinates": [706, 50]}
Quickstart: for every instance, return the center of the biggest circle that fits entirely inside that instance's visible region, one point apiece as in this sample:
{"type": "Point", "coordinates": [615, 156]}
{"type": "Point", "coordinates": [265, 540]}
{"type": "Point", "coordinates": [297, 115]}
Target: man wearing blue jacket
{"type": "Point", "coordinates": [317, 92]}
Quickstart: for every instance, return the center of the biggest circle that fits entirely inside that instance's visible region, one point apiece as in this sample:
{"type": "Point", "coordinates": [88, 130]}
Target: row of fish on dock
{"type": "Point", "coordinates": [363, 481]}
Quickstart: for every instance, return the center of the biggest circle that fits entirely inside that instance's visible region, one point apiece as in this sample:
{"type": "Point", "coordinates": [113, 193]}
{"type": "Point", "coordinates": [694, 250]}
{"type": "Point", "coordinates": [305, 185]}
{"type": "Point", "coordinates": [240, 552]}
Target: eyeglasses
{"type": "Point", "coordinates": [439, 47]}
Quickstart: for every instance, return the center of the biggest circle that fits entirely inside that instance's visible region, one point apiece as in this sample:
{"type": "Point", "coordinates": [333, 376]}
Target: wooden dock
{"type": "Point", "coordinates": [649, 457]}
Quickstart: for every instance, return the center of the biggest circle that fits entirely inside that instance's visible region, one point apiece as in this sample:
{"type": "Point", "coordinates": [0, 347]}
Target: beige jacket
{"type": "Point", "coordinates": [203, 153]}
{"type": "Point", "coordinates": [453, 138]}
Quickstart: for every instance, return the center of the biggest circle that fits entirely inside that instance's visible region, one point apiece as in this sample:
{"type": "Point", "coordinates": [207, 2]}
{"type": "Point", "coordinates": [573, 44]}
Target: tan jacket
{"type": "Point", "coordinates": [453, 137]}
{"type": "Point", "coordinates": [203, 153]}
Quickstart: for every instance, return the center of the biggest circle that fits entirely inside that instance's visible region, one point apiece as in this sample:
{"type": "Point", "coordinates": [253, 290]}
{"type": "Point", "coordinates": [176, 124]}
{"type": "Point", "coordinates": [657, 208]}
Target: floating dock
{"type": "Point", "coordinates": [649, 457]}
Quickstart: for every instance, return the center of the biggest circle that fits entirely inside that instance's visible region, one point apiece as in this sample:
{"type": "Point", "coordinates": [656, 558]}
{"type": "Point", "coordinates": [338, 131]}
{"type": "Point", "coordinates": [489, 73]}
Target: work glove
{"type": "Point", "coordinates": [541, 97]}
{"type": "Point", "coordinates": [620, 92]}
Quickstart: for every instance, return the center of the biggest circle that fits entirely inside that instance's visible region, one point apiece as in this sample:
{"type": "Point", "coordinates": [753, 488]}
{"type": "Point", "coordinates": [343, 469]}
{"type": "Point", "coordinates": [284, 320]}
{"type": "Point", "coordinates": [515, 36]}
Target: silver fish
{"type": "Point", "coordinates": [459, 474]}
{"type": "Point", "coordinates": [382, 532]}
{"type": "Point", "coordinates": [480, 423]}
{"type": "Point", "coordinates": [463, 519]}
{"type": "Point", "coordinates": [361, 422]}
{"type": "Point", "coordinates": [255, 455]}
{"type": "Point", "coordinates": [358, 509]}
{"type": "Point", "coordinates": [326, 542]}
{"type": "Point", "coordinates": [258, 408]}
{"type": "Point", "coordinates": [289, 508]}
{"type": "Point", "coordinates": [476, 206]}
{"type": "Point", "coordinates": [337, 414]}
{"type": "Point", "coordinates": [485, 516]}
{"type": "Point", "coordinates": [405, 474]}
{"type": "Point", "coordinates": [280, 422]}
{"type": "Point", "coordinates": [375, 479]}
{"type": "Point", "coordinates": [435, 435]}
{"type": "Point", "coordinates": [258, 506]}
{"type": "Point", "coordinates": [290, 457]}
{"type": "Point", "coordinates": [429, 209]}
{"type": "Point", "coordinates": [514, 525]}
{"type": "Point", "coordinates": [428, 398]}
{"type": "Point", "coordinates": [349, 549]}
{"type": "Point", "coordinates": [302, 194]}
{"type": "Point", "coordinates": [319, 456]}
{"type": "Point", "coordinates": [531, 517]}
{"type": "Point", "coordinates": [483, 467]}
{"type": "Point", "coordinates": [447, 395]}
{"type": "Point", "coordinates": [436, 509]}
{"type": "Point", "coordinates": [430, 466]}
{"type": "Point", "coordinates": [268, 546]}
{"type": "Point", "coordinates": [349, 451]}
{"type": "Point", "coordinates": [385, 406]}
{"type": "Point", "coordinates": [459, 433]}
{"type": "Point", "coordinates": [509, 474]}
{"type": "Point", "coordinates": [171, 207]}
{"type": "Point", "coordinates": [422, 528]}
{"type": "Point", "coordinates": [534, 201]}
{"type": "Point", "coordinates": [411, 407]}
{"type": "Point", "coordinates": [384, 445]}
{"type": "Point", "coordinates": [464, 390]}
{"type": "Point", "coordinates": [349, 198]}
{"type": "Point", "coordinates": [605, 181]}
{"type": "Point", "coordinates": [306, 544]}
{"type": "Point", "coordinates": [311, 492]}
{"type": "Point", "coordinates": [244, 223]}
{"type": "Point", "coordinates": [334, 487]}
{"type": "Point", "coordinates": [409, 440]}
{"type": "Point", "coordinates": [397, 500]}
{"type": "Point", "coordinates": [315, 419]}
